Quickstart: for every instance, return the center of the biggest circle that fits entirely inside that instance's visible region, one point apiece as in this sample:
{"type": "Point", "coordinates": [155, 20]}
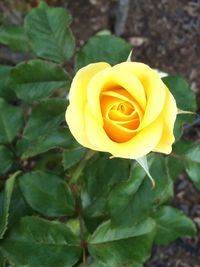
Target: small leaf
{"type": "Point", "coordinates": [94, 263]}
{"type": "Point", "coordinates": [48, 31]}
{"type": "Point", "coordinates": [72, 156]}
{"type": "Point", "coordinates": [43, 130]}
{"type": "Point", "coordinates": [181, 91]}
{"type": "Point", "coordinates": [74, 226]}
{"type": "Point", "coordinates": [47, 193]}
{"type": "Point", "coordinates": [138, 198]}
{"type": "Point", "coordinates": [37, 79]}
{"type": "Point", "coordinates": [14, 37]}
{"type": "Point", "coordinates": [51, 161]}
{"type": "Point", "coordinates": [99, 177]}
{"type": "Point", "coordinates": [37, 242]}
{"type": "Point", "coordinates": [186, 155]}
{"type": "Point", "coordinates": [2, 260]}
{"type": "Point", "coordinates": [171, 224]}
{"type": "Point", "coordinates": [5, 203]}
{"type": "Point", "coordinates": [118, 246]}
{"type": "Point", "coordinates": [182, 120]}
{"type": "Point", "coordinates": [45, 117]}
{"type": "Point", "coordinates": [174, 167]}
{"type": "Point", "coordinates": [5, 89]}
{"type": "Point", "coordinates": [11, 121]}
{"type": "Point", "coordinates": [106, 48]}
{"type": "Point", "coordinates": [18, 206]}
{"type": "Point", "coordinates": [6, 157]}
{"type": "Point", "coordinates": [60, 138]}
{"type": "Point", "coordinates": [123, 194]}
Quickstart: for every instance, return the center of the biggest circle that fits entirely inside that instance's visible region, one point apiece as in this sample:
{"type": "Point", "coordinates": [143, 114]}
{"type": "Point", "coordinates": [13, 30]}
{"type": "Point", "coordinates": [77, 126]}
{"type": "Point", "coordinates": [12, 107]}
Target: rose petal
{"type": "Point", "coordinates": [123, 95]}
{"type": "Point", "coordinates": [140, 145]}
{"type": "Point", "coordinates": [154, 89]}
{"type": "Point", "coordinates": [119, 133]}
{"type": "Point", "coordinates": [78, 98]}
{"type": "Point", "coordinates": [169, 116]}
{"type": "Point", "coordinates": [113, 78]}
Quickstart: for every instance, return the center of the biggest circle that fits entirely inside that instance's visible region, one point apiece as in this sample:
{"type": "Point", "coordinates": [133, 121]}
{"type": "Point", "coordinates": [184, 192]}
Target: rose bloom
{"type": "Point", "coordinates": [125, 110]}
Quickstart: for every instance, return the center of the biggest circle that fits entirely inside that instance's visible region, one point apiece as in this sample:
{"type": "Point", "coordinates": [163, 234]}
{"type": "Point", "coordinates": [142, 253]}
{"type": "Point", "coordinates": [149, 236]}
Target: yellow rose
{"type": "Point", "coordinates": [125, 110]}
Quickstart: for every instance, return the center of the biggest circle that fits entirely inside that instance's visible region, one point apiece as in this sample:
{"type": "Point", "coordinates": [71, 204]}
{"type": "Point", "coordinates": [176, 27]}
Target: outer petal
{"type": "Point", "coordinates": [78, 98]}
{"type": "Point", "coordinates": [154, 89]}
{"type": "Point", "coordinates": [169, 116]}
{"type": "Point", "coordinates": [140, 145]}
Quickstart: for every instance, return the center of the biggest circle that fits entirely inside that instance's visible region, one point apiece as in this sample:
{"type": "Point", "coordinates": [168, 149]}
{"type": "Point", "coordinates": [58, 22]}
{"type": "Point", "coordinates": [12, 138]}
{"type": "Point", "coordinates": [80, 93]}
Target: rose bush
{"type": "Point", "coordinates": [125, 110]}
{"type": "Point", "coordinates": [64, 205]}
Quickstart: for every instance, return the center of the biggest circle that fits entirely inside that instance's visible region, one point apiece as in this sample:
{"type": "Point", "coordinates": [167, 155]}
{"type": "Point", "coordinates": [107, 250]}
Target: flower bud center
{"type": "Point", "coordinates": [121, 114]}
{"type": "Point", "coordinates": [125, 107]}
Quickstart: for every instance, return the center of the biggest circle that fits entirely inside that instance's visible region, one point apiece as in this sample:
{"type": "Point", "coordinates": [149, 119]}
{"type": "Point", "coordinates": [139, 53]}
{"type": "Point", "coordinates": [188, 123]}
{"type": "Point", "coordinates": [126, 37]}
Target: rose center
{"type": "Point", "coordinates": [121, 114]}
{"type": "Point", "coordinates": [125, 107]}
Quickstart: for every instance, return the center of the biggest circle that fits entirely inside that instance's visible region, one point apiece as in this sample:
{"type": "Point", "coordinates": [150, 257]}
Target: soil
{"type": "Point", "coordinates": [165, 34]}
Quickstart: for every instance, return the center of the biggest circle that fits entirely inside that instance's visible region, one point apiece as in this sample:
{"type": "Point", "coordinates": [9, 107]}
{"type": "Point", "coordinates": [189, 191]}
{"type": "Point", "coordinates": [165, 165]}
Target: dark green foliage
{"type": "Point", "coordinates": [48, 194]}
{"type": "Point", "coordinates": [185, 100]}
{"type": "Point", "coordinates": [37, 79]}
{"type": "Point", "coordinates": [171, 223]}
{"type": "Point", "coordinates": [186, 156]}
{"type": "Point", "coordinates": [49, 33]}
{"type": "Point", "coordinates": [106, 48]}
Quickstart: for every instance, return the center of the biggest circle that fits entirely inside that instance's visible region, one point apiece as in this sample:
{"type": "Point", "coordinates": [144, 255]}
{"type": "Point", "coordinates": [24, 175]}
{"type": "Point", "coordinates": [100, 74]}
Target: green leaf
{"type": "Point", "coordinates": [6, 157]}
{"type": "Point", "coordinates": [5, 90]}
{"type": "Point", "coordinates": [123, 194]}
{"type": "Point", "coordinates": [5, 203]}
{"type": "Point", "coordinates": [106, 48]}
{"type": "Point", "coordinates": [172, 223]}
{"type": "Point", "coordinates": [60, 138]}
{"type": "Point", "coordinates": [2, 260]}
{"type": "Point", "coordinates": [37, 79]}
{"type": "Point", "coordinates": [96, 264]}
{"type": "Point", "coordinates": [118, 246]}
{"type": "Point", "coordinates": [72, 156]}
{"type": "Point", "coordinates": [45, 117]}
{"type": "Point", "coordinates": [37, 242]}
{"type": "Point", "coordinates": [43, 131]}
{"type": "Point", "coordinates": [47, 193]}
{"type": "Point", "coordinates": [182, 120]}
{"type": "Point", "coordinates": [186, 155]}
{"type": "Point", "coordinates": [14, 37]}
{"type": "Point", "coordinates": [18, 206]}
{"type": "Point", "coordinates": [181, 91]}
{"type": "Point", "coordinates": [99, 177]}
{"type": "Point", "coordinates": [74, 226]}
{"type": "Point", "coordinates": [135, 198]}
{"type": "Point", "coordinates": [174, 167]}
{"type": "Point", "coordinates": [11, 121]}
{"type": "Point", "coordinates": [51, 161]}
{"type": "Point", "coordinates": [48, 31]}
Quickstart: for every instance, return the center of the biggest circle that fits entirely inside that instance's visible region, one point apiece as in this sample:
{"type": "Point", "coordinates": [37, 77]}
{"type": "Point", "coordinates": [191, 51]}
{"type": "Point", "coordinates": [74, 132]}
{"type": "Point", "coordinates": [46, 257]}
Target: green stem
{"type": "Point", "coordinates": [81, 223]}
{"type": "Point", "coordinates": [78, 171]}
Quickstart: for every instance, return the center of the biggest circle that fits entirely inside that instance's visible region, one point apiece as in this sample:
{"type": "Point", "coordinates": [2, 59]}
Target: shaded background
{"type": "Point", "coordinates": [165, 34]}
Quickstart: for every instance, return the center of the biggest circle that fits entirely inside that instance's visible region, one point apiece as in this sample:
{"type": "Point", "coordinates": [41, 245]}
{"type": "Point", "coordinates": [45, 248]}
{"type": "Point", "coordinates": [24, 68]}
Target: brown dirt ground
{"type": "Point", "coordinates": [166, 35]}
